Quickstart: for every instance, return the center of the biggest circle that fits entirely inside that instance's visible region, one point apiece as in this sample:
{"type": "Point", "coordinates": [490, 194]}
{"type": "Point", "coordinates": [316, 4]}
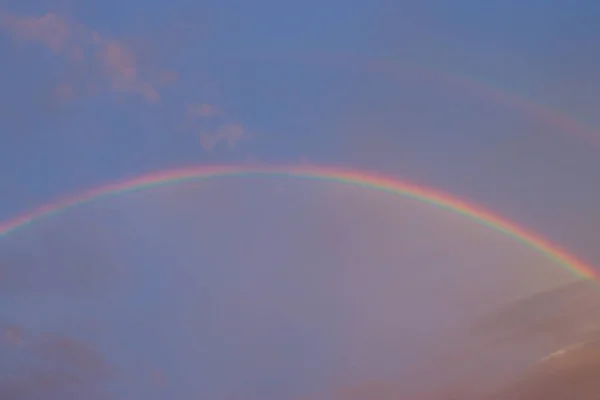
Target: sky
{"type": "Point", "coordinates": [271, 287]}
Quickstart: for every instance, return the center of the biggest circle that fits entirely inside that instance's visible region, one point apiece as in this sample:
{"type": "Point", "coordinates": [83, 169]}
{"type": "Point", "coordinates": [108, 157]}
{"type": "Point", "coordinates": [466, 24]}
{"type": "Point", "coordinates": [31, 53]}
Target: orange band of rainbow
{"type": "Point", "coordinates": [342, 175]}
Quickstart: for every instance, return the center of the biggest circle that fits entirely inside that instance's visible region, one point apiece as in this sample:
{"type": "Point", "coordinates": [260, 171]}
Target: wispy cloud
{"type": "Point", "coordinates": [213, 126]}
{"type": "Point", "coordinates": [48, 29]}
{"type": "Point", "coordinates": [97, 63]}
{"type": "Point", "coordinates": [107, 63]}
{"type": "Point", "coordinates": [119, 67]}
{"type": "Point", "coordinates": [194, 111]}
{"type": "Point", "coordinates": [230, 134]}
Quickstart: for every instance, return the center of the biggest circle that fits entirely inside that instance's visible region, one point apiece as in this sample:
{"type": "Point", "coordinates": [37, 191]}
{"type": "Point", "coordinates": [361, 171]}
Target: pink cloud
{"type": "Point", "coordinates": [63, 368]}
{"type": "Point", "coordinates": [98, 63]}
{"type": "Point", "coordinates": [42, 384]}
{"type": "Point", "coordinates": [13, 335]}
{"type": "Point", "coordinates": [48, 29]}
{"type": "Point", "coordinates": [195, 111]}
{"type": "Point", "coordinates": [213, 130]}
{"type": "Point", "coordinates": [167, 77]}
{"type": "Point", "coordinates": [120, 68]}
{"type": "Point", "coordinates": [159, 378]}
{"type": "Point", "coordinates": [388, 390]}
{"type": "Point", "coordinates": [107, 62]}
{"type": "Point", "coordinates": [64, 92]}
{"type": "Point", "coordinates": [74, 353]}
{"type": "Point", "coordinates": [570, 311]}
{"type": "Point", "coordinates": [230, 133]}
{"type": "Point", "coordinates": [373, 390]}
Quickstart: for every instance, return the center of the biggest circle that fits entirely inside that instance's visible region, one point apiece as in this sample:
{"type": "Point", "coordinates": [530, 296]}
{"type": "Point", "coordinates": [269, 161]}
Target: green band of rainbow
{"type": "Point", "coordinates": [342, 175]}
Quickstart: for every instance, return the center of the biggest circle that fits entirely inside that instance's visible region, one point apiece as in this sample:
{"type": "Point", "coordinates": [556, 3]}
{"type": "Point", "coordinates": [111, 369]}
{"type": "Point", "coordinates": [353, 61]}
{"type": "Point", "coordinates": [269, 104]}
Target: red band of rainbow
{"type": "Point", "coordinates": [326, 173]}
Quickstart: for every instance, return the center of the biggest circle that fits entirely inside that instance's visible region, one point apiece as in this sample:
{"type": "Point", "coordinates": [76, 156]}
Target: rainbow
{"type": "Point", "coordinates": [545, 114]}
{"type": "Point", "coordinates": [326, 173]}
{"type": "Point", "coordinates": [583, 132]}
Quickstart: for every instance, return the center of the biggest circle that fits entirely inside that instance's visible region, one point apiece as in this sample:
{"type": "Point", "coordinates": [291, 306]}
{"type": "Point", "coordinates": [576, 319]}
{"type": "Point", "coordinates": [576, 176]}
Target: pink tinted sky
{"type": "Point", "coordinates": [91, 94]}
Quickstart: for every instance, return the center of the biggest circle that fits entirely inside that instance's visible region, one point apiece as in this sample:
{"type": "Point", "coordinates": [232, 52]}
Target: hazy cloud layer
{"type": "Point", "coordinates": [223, 283]}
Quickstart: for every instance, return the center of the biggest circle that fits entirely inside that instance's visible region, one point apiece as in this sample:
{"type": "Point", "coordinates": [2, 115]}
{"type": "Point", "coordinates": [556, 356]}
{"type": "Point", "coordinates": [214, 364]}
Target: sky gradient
{"type": "Point", "coordinates": [273, 287]}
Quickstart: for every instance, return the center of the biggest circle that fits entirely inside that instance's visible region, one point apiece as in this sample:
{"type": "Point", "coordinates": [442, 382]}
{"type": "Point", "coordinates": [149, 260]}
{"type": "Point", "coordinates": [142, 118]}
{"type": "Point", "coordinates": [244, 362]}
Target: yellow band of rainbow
{"type": "Point", "coordinates": [326, 173]}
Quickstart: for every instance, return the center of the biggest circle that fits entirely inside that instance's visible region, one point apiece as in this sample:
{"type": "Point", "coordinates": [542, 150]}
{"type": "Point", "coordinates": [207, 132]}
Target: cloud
{"type": "Point", "coordinates": [120, 68]}
{"type": "Point", "coordinates": [159, 378]}
{"type": "Point", "coordinates": [64, 92]}
{"type": "Point", "coordinates": [57, 367]}
{"type": "Point", "coordinates": [41, 384]}
{"type": "Point", "coordinates": [82, 360]}
{"type": "Point", "coordinates": [230, 133]}
{"type": "Point", "coordinates": [563, 313]}
{"type": "Point", "coordinates": [374, 390]}
{"type": "Point", "coordinates": [48, 29]}
{"type": "Point", "coordinates": [213, 126]}
{"type": "Point", "coordinates": [105, 62]}
{"type": "Point", "coordinates": [97, 63]}
{"type": "Point", "coordinates": [195, 111]}
{"type": "Point", "coordinates": [12, 335]}
{"type": "Point", "coordinates": [379, 389]}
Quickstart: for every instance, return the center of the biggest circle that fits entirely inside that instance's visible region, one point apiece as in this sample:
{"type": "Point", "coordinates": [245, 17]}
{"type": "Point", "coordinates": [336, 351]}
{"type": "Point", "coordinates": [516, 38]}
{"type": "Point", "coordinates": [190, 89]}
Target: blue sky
{"type": "Point", "coordinates": [95, 92]}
